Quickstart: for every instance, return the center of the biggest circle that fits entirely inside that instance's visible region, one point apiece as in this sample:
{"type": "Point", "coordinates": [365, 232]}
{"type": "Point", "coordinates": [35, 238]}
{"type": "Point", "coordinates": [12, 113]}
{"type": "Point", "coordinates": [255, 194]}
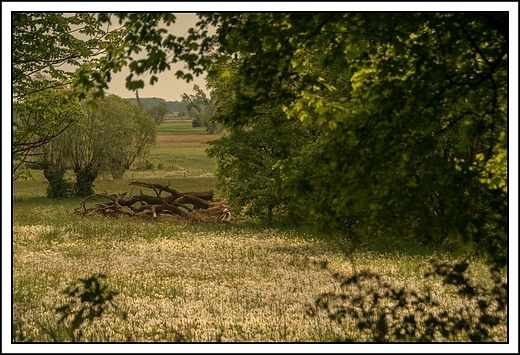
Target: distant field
{"type": "Point", "coordinates": [179, 127]}
{"type": "Point", "coordinates": [180, 151]}
{"type": "Point", "coordinates": [179, 160]}
{"type": "Point", "coordinates": [185, 141]}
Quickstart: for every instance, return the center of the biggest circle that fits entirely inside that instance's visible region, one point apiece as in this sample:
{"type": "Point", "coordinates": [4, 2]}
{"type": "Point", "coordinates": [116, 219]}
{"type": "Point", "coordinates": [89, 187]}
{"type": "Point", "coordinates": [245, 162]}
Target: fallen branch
{"type": "Point", "coordinates": [192, 205]}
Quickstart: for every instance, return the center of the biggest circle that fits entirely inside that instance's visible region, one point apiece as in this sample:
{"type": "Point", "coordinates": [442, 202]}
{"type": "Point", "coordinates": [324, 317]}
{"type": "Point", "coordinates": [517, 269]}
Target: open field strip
{"type": "Point", "coordinates": [188, 141]}
{"type": "Point", "coordinates": [180, 160]}
{"type": "Point", "coordinates": [179, 127]}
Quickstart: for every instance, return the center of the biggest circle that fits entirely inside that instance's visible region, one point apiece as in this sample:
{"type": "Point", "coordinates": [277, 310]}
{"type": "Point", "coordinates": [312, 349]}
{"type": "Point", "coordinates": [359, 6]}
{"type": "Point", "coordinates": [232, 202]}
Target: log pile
{"type": "Point", "coordinates": [190, 205]}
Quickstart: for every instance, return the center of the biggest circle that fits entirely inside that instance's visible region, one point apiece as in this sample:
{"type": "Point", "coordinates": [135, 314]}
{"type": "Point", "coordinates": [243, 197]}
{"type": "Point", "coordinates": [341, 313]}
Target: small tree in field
{"type": "Point", "coordinates": [158, 112]}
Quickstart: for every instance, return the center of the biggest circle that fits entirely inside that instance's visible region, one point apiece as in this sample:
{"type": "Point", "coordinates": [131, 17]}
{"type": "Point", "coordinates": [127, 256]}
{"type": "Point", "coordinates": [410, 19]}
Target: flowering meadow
{"type": "Point", "coordinates": [177, 281]}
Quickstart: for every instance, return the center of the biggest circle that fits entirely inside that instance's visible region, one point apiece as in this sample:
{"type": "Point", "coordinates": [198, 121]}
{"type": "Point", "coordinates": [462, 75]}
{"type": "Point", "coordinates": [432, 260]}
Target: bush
{"type": "Point", "coordinates": [146, 165]}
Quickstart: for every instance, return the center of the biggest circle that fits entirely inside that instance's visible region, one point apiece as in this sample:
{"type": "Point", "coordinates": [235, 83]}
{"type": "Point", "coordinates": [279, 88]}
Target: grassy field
{"type": "Point", "coordinates": [179, 127]}
{"type": "Point", "coordinates": [180, 281]}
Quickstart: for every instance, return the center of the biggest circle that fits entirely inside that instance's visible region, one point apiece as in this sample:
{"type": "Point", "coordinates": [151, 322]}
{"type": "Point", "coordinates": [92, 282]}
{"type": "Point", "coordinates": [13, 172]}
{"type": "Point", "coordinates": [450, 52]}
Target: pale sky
{"type": "Point", "coordinates": [168, 87]}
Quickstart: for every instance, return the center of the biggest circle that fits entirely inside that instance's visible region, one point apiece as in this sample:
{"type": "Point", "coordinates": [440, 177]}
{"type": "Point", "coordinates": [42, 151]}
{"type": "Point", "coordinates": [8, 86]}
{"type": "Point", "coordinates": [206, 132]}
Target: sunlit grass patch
{"type": "Point", "coordinates": [177, 161]}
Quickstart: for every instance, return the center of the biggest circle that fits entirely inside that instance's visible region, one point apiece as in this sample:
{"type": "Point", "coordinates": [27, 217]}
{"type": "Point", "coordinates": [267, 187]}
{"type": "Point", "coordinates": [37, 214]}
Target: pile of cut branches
{"type": "Point", "coordinates": [190, 205]}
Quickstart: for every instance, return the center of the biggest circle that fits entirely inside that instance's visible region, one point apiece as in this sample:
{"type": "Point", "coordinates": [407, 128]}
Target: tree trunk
{"type": "Point", "coordinates": [58, 187]}
{"type": "Point", "coordinates": [84, 182]}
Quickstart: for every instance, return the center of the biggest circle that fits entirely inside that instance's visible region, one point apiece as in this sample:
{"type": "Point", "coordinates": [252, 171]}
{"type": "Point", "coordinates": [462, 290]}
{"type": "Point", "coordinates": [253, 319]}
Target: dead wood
{"type": "Point", "coordinates": [165, 200]}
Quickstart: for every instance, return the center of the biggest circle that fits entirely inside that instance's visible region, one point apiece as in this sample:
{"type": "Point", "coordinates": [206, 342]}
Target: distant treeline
{"type": "Point", "coordinates": [148, 102]}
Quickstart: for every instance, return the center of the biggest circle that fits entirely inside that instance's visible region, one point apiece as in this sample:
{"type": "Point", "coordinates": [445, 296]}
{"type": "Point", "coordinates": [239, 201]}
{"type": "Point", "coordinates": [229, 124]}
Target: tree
{"type": "Point", "coordinates": [37, 120]}
{"type": "Point", "coordinates": [412, 138]}
{"type": "Point", "coordinates": [139, 136]}
{"type": "Point", "coordinates": [201, 108]}
{"type": "Point", "coordinates": [248, 157]}
{"type": "Point", "coordinates": [48, 44]}
{"type": "Point", "coordinates": [53, 158]}
{"type": "Point", "coordinates": [106, 140]}
{"type": "Point", "coordinates": [415, 144]}
{"type": "Point", "coordinates": [158, 112]}
{"type": "Point", "coordinates": [46, 49]}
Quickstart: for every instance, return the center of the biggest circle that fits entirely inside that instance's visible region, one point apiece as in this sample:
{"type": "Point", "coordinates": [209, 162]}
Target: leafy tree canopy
{"type": "Point", "coordinates": [54, 45]}
{"type": "Point", "coordinates": [46, 50]}
{"type": "Point", "coordinates": [415, 136]}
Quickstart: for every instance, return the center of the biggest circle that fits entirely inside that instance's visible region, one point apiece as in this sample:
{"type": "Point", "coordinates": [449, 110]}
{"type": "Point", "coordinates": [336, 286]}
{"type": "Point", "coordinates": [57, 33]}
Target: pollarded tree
{"type": "Point", "coordinates": [38, 119]}
{"type": "Point", "coordinates": [108, 140]}
{"type": "Point", "coordinates": [53, 158]}
{"type": "Point", "coordinates": [140, 135]}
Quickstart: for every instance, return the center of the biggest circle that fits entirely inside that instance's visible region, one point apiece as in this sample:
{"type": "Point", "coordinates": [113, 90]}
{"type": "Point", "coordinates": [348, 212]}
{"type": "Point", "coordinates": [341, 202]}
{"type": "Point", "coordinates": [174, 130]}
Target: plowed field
{"type": "Point", "coordinates": [189, 140]}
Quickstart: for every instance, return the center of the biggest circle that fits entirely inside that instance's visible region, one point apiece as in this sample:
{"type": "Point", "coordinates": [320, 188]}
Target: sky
{"type": "Point", "coordinates": [168, 87]}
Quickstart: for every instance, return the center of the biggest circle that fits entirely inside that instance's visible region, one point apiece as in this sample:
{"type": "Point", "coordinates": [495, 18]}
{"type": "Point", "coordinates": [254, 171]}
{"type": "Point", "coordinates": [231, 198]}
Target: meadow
{"type": "Point", "coordinates": [243, 281]}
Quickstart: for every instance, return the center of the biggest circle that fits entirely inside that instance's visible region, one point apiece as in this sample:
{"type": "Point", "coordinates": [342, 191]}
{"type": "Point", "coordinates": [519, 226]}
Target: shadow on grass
{"type": "Point", "coordinates": [342, 242]}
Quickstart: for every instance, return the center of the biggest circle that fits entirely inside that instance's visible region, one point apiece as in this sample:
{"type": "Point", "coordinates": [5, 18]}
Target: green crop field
{"type": "Point", "coordinates": [177, 161]}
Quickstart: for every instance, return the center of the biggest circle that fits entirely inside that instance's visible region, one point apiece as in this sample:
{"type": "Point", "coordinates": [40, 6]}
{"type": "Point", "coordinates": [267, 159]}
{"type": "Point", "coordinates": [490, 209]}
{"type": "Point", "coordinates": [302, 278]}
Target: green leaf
{"type": "Point", "coordinates": [92, 105]}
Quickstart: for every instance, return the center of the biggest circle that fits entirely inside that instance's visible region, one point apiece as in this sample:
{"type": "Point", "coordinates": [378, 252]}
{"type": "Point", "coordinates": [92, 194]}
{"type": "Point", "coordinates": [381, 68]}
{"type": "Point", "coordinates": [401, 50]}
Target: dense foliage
{"type": "Point", "coordinates": [411, 110]}
{"type": "Point", "coordinates": [46, 49]}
